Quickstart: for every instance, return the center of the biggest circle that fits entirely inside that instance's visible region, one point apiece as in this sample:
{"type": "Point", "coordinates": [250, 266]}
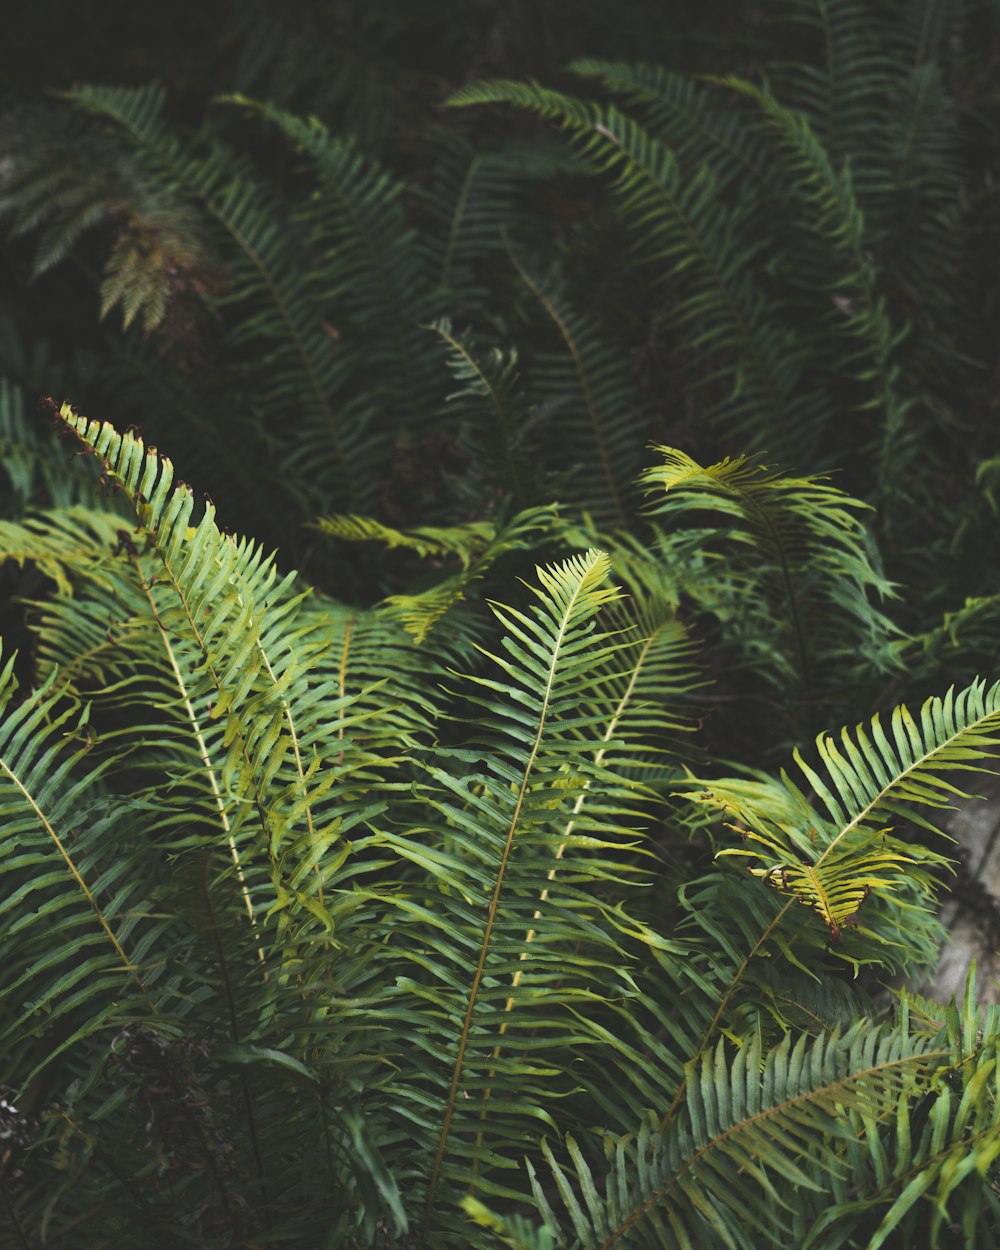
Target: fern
{"type": "Point", "coordinates": [810, 559]}
{"type": "Point", "coordinates": [281, 315]}
{"type": "Point", "coordinates": [435, 897]}
{"type": "Point", "coordinates": [833, 865]}
{"type": "Point", "coordinates": [759, 1138]}
{"type": "Point", "coordinates": [682, 228]}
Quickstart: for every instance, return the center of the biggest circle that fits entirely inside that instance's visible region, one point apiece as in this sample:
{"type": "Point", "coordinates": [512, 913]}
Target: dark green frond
{"type": "Point", "coordinates": [807, 554]}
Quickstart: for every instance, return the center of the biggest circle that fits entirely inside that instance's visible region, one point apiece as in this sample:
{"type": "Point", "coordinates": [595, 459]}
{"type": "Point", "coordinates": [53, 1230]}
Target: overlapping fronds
{"type": "Point", "coordinates": [809, 553]}
{"type": "Point", "coordinates": [281, 315]}
{"type": "Point", "coordinates": [852, 285]}
{"type": "Point", "coordinates": [507, 933]}
{"type": "Point", "coordinates": [797, 1143]}
{"type": "Point", "coordinates": [87, 903]}
{"type": "Point", "coordinates": [66, 177]}
{"type": "Point", "coordinates": [62, 541]}
{"type": "Point", "coordinates": [376, 288]}
{"type": "Point", "coordinates": [585, 388]}
{"type": "Point", "coordinates": [476, 546]}
{"type": "Point", "coordinates": [203, 672]}
{"type": "Point", "coordinates": [689, 115]}
{"type": "Point", "coordinates": [701, 245]}
{"type": "Point", "coordinates": [475, 207]}
{"type": "Point", "coordinates": [397, 910]}
{"type": "Point", "coordinates": [478, 911]}
{"type": "Point", "coordinates": [869, 781]}
{"type": "Point", "coordinates": [34, 472]}
{"type": "Point", "coordinates": [840, 81]}
{"type": "Point", "coordinates": [492, 413]}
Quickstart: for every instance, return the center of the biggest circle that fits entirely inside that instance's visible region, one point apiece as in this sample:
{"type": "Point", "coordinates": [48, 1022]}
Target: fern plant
{"type": "Point", "coordinates": [310, 942]}
{"type": "Point", "coordinates": [450, 893]}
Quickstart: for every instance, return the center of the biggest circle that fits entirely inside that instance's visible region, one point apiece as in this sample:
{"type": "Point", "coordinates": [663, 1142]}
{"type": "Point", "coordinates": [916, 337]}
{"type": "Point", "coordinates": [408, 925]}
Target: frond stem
{"type": "Point", "coordinates": [202, 748]}
{"type": "Point", "coordinates": [480, 971]}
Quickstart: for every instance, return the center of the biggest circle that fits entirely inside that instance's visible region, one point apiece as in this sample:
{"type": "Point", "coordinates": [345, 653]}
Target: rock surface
{"type": "Point", "coordinates": [971, 912]}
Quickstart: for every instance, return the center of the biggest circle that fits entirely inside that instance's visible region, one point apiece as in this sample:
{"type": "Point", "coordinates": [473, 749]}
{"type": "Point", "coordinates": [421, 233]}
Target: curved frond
{"type": "Point", "coordinates": [380, 293]}
{"type": "Point", "coordinates": [280, 314]}
{"type": "Point", "coordinates": [491, 409]}
{"type": "Point", "coordinates": [699, 242]}
{"type": "Point", "coordinates": [802, 547]}
{"type": "Point", "coordinates": [869, 780]}
{"type": "Point", "coordinates": [755, 1132]}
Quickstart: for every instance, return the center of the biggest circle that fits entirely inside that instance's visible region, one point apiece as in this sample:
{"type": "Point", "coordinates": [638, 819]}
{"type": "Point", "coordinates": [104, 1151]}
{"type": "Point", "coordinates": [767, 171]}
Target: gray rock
{"type": "Point", "coordinates": [971, 912]}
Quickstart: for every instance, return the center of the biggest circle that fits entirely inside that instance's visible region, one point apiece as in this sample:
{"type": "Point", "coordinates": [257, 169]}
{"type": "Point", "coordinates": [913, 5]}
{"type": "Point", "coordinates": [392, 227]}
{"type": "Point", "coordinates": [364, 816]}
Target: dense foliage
{"type": "Point", "coordinates": [621, 386]}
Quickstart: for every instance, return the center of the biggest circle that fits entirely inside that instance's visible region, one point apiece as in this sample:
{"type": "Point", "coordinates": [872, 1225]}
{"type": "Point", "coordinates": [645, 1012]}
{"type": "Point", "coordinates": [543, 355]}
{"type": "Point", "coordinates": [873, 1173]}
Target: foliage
{"type": "Point", "coordinates": [621, 387]}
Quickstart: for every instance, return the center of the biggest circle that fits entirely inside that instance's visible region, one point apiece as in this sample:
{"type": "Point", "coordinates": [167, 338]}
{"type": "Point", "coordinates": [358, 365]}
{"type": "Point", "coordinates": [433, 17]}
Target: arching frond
{"type": "Point", "coordinates": [379, 292]}
{"type": "Point", "coordinates": [492, 413]}
{"type": "Point", "coordinates": [505, 930]}
{"type": "Point", "coordinates": [870, 779]}
{"type": "Point", "coordinates": [585, 388]}
{"type": "Point", "coordinates": [474, 204]}
{"type": "Point", "coordinates": [765, 1142]}
{"type": "Point", "coordinates": [698, 242]}
{"type": "Point", "coordinates": [200, 666]}
{"type": "Point", "coordinates": [36, 471]}
{"type": "Point", "coordinates": [807, 549]}
{"type": "Point", "coordinates": [281, 313]}
{"type": "Point", "coordinates": [689, 116]}
{"type": "Point", "coordinates": [840, 223]}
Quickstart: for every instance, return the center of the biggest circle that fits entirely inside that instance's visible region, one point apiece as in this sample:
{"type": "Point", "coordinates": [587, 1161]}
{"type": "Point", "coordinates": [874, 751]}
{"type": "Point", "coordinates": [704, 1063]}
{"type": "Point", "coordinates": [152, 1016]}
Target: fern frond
{"type": "Point", "coordinates": [868, 779]}
{"type": "Point", "coordinates": [810, 556]}
{"type": "Point", "coordinates": [585, 385]}
{"type": "Point", "coordinates": [760, 1144]}
{"type": "Point", "coordinates": [474, 205]}
{"type": "Point", "coordinates": [376, 272]}
{"type": "Point", "coordinates": [477, 545]}
{"type": "Point", "coordinates": [68, 177]}
{"type": "Point", "coordinates": [516, 819]}
{"type": "Point", "coordinates": [280, 312]}
{"type": "Point", "coordinates": [62, 541]}
{"type": "Point", "coordinates": [687, 115]}
{"type": "Point", "coordinates": [841, 224]}
{"type": "Point", "coordinates": [492, 410]}
{"type": "Point", "coordinates": [696, 241]}
{"type": "Point", "coordinates": [81, 929]}
{"type": "Point", "coordinates": [216, 678]}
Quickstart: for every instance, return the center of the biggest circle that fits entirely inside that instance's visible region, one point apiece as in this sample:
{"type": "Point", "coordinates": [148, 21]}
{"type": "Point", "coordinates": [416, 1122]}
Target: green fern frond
{"type": "Point", "coordinates": [585, 385]}
{"type": "Point", "coordinates": [84, 908]}
{"type": "Point", "coordinates": [62, 541]}
{"type": "Point", "coordinates": [36, 469]}
{"type": "Point", "coordinates": [699, 243]}
{"type": "Point", "coordinates": [474, 204]}
{"type": "Point", "coordinates": [688, 115]}
{"type": "Point", "coordinates": [869, 778]}
{"type": "Point", "coordinates": [376, 273]}
{"type": "Point", "coordinates": [808, 554]}
{"type": "Point", "coordinates": [279, 312]}
{"type": "Point", "coordinates": [840, 222]}
{"type": "Point", "coordinates": [513, 849]}
{"type": "Point", "coordinates": [477, 545]}
{"type": "Point", "coordinates": [212, 677]}
{"type": "Point", "coordinates": [762, 1143]}
{"type": "Point", "coordinates": [69, 177]}
{"type": "Point", "coordinates": [465, 542]}
{"type": "Point", "coordinates": [491, 408]}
